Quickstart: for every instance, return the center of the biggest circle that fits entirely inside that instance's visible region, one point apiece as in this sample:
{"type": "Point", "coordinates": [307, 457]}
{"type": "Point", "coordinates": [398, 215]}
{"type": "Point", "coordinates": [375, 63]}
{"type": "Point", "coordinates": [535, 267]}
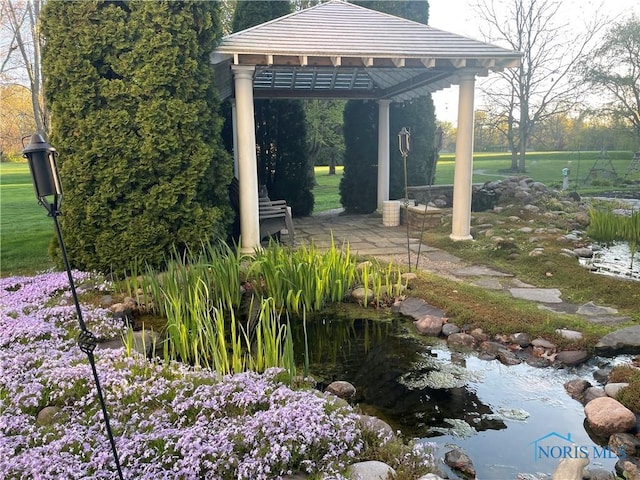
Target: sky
{"type": "Point", "coordinates": [458, 16]}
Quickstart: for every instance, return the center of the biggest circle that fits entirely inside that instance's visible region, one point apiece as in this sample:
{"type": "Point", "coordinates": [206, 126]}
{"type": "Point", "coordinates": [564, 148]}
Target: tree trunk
{"type": "Point", "coordinates": [512, 146]}
{"type": "Point", "coordinates": [523, 130]}
{"type": "Point", "coordinates": [332, 164]}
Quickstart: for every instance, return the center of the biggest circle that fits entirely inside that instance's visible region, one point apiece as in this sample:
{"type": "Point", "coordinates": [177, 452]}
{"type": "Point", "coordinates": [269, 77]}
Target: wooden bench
{"type": "Point", "coordinates": [274, 215]}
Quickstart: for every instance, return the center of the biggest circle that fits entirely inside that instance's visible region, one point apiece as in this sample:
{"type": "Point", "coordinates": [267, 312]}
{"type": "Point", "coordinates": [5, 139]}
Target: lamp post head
{"type": "Point", "coordinates": [437, 139]}
{"type": "Point", "coordinates": [403, 141]}
{"type": "Point", "coordinates": [44, 172]}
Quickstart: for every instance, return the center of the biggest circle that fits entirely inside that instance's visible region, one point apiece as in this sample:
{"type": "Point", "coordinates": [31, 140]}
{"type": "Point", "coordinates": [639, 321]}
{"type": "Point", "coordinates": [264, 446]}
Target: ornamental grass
{"type": "Point", "coordinates": [609, 227]}
{"type": "Point", "coordinates": [211, 323]}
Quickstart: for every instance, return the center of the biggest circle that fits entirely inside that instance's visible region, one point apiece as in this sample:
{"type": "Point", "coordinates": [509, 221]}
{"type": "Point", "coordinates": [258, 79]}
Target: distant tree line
{"type": "Point", "coordinates": [580, 131]}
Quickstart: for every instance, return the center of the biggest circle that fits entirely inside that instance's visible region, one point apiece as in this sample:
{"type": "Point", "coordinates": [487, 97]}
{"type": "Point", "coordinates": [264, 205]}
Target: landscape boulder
{"type": "Point", "coordinates": [628, 468]}
{"type": "Point", "coordinates": [341, 389]}
{"type": "Point", "coordinates": [625, 340]}
{"type": "Point", "coordinates": [607, 416]}
{"type": "Point", "coordinates": [430, 325]}
{"type": "Point", "coordinates": [460, 462]}
{"type": "Point", "coordinates": [371, 470]}
{"type": "Point", "coordinates": [507, 357]}
{"type": "Point", "coordinates": [612, 389]}
{"type": "Point", "coordinates": [592, 393]}
{"type": "Point", "coordinates": [417, 308]}
{"type": "Point", "coordinates": [50, 415]}
{"type": "Point", "coordinates": [576, 388]}
{"type": "Point", "coordinates": [624, 444]}
{"type": "Point", "coordinates": [449, 328]}
{"type": "Point", "coordinates": [571, 469]}
{"type": "Point", "coordinates": [461, 340]}
{"type": "Point", "coordinates": [381, 428]}
{"type": "Point", "coordinates": [521, 339]}
{"type": "Point", "coordinates": [572, 358]}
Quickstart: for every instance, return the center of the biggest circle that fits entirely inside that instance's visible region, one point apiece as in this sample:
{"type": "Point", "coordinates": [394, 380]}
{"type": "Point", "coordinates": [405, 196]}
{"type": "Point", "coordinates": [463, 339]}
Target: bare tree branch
{"type": "Point", "coordinates": [546, 83]}
{"type": "Point", "coordinates": [614, 70]}
{"type": "Point", "coordinates": [23, 17]}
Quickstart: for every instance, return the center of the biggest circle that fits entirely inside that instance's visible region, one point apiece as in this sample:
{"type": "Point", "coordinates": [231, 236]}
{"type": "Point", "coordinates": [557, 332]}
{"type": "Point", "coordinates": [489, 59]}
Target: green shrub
{"type": "Point", "coordinates": [622, 374]}
{"type": "Point", "coordinates": [630, 396]}
{"type": "Point", "coordinates": [358, 188]}
{"type": "Point", "coordinates": [134, 119]}
{"type": "Point", "coordinates": [283, 163]}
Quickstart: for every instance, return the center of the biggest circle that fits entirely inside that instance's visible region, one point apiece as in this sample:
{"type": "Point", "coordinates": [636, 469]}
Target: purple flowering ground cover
{"type": "Point", "coordinates": [170, 420]}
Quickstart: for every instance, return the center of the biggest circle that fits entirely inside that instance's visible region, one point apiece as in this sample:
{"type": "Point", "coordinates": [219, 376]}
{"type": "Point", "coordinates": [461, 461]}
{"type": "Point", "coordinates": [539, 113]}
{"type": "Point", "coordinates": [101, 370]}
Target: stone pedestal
{"type": "Point", "coordinates": [415, 215]}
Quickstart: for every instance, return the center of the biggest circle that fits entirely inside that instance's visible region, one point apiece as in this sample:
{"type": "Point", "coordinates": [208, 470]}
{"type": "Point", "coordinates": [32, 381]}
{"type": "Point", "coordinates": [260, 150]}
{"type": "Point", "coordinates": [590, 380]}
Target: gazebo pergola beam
{"type": "Point", "coordinates": [290, 94]}
{"type": "Point", "coordinates": [411, 84]}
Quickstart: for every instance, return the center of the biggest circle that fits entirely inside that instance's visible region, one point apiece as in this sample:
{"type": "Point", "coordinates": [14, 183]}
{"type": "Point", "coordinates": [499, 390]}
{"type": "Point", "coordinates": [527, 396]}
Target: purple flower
{"type": "Point", "coordinates": [170, 421]}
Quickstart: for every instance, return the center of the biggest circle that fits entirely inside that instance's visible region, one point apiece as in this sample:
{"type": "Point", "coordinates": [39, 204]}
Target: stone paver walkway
{"type": "Point", "coordinates": [367, 236]}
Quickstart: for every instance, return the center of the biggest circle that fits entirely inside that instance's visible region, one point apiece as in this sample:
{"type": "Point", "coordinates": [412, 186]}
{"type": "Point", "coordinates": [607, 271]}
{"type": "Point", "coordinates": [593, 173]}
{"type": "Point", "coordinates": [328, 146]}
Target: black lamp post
{"type": "Point", "coordinates": [438, 136]}
{"type": "Point", "coordinates": [404, 147]}
{"type": "Point", "coordinates": [42, 163]}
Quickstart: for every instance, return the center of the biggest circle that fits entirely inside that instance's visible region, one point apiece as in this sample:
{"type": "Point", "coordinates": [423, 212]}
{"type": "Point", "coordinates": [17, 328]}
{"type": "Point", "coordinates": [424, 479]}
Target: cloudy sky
{"type": "Point", "coordinates": [458, 16]}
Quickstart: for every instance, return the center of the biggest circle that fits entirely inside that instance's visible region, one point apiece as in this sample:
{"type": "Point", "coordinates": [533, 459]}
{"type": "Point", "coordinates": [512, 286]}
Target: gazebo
{"type": "Point", "coordinates": [340, 50]}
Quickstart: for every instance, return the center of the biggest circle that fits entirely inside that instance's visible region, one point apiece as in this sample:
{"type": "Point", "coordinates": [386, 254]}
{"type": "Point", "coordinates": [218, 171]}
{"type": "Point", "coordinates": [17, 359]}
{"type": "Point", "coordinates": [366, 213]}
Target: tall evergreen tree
{"type": "Point", "coordinates": [280, 127]}
{"type": "Point", "coordinates": [359, 184]}
{"type": "Point", "coordinates": [133, 117]}
{"type": "Point", "coordinates": [418, 115]}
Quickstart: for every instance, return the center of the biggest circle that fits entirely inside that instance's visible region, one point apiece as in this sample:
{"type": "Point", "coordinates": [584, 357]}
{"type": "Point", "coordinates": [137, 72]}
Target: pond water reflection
{"type": "Point", "coordinates": [496, 413]}
{"type": "Point", "coordinates": [614, 260]}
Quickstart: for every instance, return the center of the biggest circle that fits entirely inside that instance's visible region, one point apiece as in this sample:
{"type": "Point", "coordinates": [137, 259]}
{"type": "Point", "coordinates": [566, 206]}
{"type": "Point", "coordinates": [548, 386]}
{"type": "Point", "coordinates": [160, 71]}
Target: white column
{"type": "Point", "coordinates": [383, 152]}
{"type": "Point", "coordinates": [463, 173]}
{"type": "Point", "coordinates": [234, 127]}
{"type": "Point", "coordinates": [247, 162]}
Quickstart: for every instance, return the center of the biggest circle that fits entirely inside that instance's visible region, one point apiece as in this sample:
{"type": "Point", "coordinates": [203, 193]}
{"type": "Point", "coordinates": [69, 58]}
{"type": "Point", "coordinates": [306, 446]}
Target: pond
{"type": "Point", "coordinates": [615, 260]}
{"type": "Point", "coordinates": [498, 414]}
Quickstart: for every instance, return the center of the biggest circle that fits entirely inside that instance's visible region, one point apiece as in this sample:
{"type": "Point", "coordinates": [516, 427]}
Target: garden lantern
{"type": "Point", "coordinates": [44, 171]}
{"type": "Point", "coordinates": [404, 147]}
{"type": "Point", "coordinates": [403, 141]}
{"type": "Point", "coordinates": [437, 139]}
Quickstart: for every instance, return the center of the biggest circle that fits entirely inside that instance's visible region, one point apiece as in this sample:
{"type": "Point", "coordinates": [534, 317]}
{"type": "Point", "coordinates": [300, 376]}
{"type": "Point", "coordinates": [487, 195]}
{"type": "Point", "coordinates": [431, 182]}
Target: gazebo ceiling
{"type": "Point", "coordinates": [340, 50]}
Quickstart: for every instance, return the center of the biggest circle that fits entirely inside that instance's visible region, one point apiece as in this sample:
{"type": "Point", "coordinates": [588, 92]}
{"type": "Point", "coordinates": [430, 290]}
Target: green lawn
{"type": "Point", "coordinates": [326, 192]}
{"type": "Point", "coordinates": [545, 167]}
{"type": "Point", "coordinates": [25, 228]}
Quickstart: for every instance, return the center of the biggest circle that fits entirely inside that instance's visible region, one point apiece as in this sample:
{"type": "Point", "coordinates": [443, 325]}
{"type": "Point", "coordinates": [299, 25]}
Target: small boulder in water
{"type": "Point", "coordinates": [460, 462]}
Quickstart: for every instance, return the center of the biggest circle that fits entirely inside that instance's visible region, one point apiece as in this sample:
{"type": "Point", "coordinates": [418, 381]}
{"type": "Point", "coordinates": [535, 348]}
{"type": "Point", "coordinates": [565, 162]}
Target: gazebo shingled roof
{"type": "Point", "coordinates": [341, 50]}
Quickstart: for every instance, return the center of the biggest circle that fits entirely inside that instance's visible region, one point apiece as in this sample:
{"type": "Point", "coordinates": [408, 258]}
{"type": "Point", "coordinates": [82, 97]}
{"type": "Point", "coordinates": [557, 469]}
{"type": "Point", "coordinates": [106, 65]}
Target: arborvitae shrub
{"type": "Point", "coordinates": [134, 118]}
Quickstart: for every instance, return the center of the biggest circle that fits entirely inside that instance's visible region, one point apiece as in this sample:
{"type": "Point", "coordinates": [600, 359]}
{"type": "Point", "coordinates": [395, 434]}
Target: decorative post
{"type": "Point", "coordinates": [437, 146]}
{"type": "Point", "coordinates": [404, 146]}
{"type": "Point", "coordinates": [383, 152]}
{"type": "Point", "coordinates": [44, 171]}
